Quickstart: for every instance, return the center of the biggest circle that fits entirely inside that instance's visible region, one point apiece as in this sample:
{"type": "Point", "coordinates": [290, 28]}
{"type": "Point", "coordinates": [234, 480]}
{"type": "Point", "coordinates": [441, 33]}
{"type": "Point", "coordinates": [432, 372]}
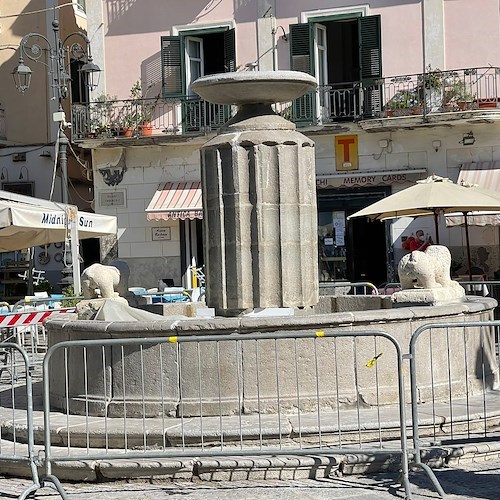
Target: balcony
{"type": "Point", "coordinates": [392, 102]}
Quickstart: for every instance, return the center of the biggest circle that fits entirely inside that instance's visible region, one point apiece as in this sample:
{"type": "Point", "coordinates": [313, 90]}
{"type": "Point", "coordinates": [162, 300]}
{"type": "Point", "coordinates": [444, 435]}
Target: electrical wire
{"type": "Point", "coordinates": [78, 194]}
{"type": "Point", "coordinates": [29, 150]}
{"type": "Point", "coordinates": [56, 157]}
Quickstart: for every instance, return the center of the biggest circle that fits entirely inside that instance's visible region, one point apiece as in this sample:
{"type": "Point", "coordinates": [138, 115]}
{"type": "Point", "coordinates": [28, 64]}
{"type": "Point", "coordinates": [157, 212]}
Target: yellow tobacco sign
{"type": "Point", "coordinates": [346, 152]}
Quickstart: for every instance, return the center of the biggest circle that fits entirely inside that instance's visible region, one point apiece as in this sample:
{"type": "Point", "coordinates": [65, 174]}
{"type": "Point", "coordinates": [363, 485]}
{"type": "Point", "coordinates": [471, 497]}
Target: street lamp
{"type": "Point", "coordinates": [56, 57]}
{"type": "Point", "coordinates": [56, 54]}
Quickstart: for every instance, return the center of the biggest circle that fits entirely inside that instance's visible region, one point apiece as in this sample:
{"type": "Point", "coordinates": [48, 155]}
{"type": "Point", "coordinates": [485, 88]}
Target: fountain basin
{"type": "Point", "coordinates": [252, 87]}
{"type": "Point", "coordinates": [153, 380]}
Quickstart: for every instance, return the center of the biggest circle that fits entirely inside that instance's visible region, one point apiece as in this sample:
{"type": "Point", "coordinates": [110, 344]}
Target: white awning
{"type": "Point", "coordinates": [487, 176]}
{"type": "Point", "coordinates": [27, 222]}
{"type": "Point", "coordinates": [176, 200]}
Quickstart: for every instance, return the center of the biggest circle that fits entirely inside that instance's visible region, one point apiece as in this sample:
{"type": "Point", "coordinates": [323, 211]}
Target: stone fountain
{"type": "Point", "coordinates": [260, 222]}
{"type": "Point", "coordinates": [259, 186]}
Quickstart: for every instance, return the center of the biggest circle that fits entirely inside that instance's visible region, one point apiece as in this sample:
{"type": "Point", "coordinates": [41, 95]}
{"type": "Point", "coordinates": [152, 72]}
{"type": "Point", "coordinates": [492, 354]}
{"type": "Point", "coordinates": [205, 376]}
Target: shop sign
{"type": "Point", "coordinates": [346, 153]}
{"type": "Point", "coordinates": [160, 233]}
{"type": "Point", "coordinates": [112, 198]}
{"type": "Point", "coordinates": [374, 179]}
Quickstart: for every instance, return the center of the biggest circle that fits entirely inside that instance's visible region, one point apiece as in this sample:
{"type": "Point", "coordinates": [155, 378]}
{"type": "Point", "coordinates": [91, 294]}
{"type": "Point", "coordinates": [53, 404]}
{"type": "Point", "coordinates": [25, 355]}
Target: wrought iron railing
{"type": "Point", "coordinates": [144, 117]}
{"type": "Point", "coordinates": [435, 91]}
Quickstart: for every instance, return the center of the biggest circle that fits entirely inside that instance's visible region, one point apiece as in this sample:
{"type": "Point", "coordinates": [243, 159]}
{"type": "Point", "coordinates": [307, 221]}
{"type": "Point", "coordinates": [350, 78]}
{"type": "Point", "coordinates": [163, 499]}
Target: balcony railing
{"type": "Point", "coordinates": [144, 117]}
{"type": "Point", "coordinates": [418, 94]}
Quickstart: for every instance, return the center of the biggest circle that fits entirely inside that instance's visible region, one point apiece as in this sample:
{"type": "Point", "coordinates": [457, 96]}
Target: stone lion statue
{"type": "Point", "coordinates": [427, 269]}
{"type": "Point", "coordinates": [111, 280]}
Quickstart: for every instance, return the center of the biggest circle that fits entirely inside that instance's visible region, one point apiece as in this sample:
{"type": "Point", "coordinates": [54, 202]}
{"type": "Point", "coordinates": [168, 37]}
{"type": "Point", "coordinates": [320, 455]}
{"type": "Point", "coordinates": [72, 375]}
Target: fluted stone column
{"type": "Point", "coordinates": [260, 217]}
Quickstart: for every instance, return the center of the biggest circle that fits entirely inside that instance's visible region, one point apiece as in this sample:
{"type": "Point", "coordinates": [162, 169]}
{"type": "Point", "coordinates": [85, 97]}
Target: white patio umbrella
{"type": "Point", "coordinates": [27, 222]}
{"type": "Point", "coordinates": [433, 196]}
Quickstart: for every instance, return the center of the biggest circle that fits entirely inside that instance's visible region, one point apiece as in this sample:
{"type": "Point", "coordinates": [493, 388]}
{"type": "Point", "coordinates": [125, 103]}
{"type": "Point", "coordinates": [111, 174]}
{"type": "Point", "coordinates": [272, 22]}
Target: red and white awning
{"type": "Point", "coordinates": [176, 200]}
{"type": "Point", "coordinates": [486, 175]}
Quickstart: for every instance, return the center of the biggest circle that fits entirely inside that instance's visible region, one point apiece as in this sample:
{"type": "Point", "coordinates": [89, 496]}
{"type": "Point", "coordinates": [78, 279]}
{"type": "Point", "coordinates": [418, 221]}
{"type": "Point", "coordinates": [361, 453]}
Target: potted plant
{"type": "Point", "coordinates": [457, 96]}
{"type": "Point", "coordinates": [101, 115]}
{"type": "Point", "coordinates": [137, 112]}
{"type": "Point", "coordinates": [404, 102]}
{"type": "Point", "coordinates": [144, 106]}
{"type": "Point", "coordinates": [431, 89]}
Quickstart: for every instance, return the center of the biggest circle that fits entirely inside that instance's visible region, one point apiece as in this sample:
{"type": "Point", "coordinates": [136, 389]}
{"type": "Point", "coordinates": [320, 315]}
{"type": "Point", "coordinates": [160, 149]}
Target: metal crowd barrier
{"type": "Point", "coordinates": [357, 288]}
{"type": "Point", "coordinates": [27, 330]}
{"type": "Point", "coordinates": [15, 444]}
{"type": "Point", "coordinates": [226, 412]}
{"type": "Point", "coordinates": [457, 399]}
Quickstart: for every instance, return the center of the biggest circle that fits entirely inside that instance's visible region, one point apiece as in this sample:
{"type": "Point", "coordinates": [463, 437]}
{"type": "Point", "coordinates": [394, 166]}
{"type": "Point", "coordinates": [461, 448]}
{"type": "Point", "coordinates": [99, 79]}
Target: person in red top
{"type": "Point", "coordinates": [420, 242]}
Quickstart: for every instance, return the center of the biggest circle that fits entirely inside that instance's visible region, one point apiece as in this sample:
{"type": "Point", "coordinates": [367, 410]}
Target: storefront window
{"type": "Point", "coordinates": [332, 246]}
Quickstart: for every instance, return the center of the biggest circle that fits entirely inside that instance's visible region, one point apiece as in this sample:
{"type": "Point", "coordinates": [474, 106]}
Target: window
{"type": "Point", "coordinates": [344, 53]}
{"type": "Point", "coordinates": [188, 56]}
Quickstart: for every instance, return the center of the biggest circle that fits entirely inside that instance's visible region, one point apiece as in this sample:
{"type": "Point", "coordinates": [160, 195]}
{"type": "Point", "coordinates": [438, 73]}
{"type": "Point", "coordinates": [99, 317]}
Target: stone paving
{"type": "Point", "coordinates": [473, 480]}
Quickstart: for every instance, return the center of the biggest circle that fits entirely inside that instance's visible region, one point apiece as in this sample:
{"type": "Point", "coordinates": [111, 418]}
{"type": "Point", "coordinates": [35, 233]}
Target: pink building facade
{"type": "Point", "coordinates": [401, 85]}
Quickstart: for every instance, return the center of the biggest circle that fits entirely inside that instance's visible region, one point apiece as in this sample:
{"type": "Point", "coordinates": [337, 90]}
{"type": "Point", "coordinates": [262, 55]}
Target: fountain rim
{"type": "Point", "coordinates": [254, 87]}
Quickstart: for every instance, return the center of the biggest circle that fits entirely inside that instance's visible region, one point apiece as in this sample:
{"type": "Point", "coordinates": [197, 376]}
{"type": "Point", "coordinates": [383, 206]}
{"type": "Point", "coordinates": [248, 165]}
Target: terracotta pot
{"type": "Point", "coordinates": [127, 132]}
{"type": "Point", "coordinates": [146, 129]}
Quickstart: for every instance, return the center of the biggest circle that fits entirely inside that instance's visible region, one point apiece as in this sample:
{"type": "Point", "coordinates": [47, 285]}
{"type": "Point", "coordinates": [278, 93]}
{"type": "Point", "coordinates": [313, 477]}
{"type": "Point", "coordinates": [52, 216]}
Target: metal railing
{"type": "Point", "coordinates": [17, 445]}
{"type": "Point", "coordinates": [434, 91]}
{"type": "Point", "coordinates": [458, 400]}
{"type": "Point", "coordinates": [221, 392]}
{"type": "Point", "coordinates": [351, 288]}
{"type": "Point", "coordinates": [323, 392]}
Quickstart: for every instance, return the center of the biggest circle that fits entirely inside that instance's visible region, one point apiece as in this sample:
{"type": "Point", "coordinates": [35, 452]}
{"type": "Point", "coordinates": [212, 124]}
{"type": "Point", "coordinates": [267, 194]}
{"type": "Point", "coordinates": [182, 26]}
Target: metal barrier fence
{"type": "Point", "coordinates": [456, 398]}
{"type": "Point", "coordinates": [225, 395]}
{"type": "Point", "coordinates": [15, 443]}
{"type": "Point", "coordinates": [262, 394]}
{"type": "Point", "coordinates": [348, 288]}
{"type": "Point", "coordinates": [26, 329]}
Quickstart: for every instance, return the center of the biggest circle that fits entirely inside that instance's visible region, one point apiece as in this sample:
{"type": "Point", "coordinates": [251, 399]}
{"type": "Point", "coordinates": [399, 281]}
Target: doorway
{"type": "Point", "coordinates": [357, 249]}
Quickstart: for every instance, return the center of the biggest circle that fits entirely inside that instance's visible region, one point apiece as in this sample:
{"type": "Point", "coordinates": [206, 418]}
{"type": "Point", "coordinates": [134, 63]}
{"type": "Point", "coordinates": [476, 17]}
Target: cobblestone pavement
{"type": "Point", "coordinates": [477, 480]}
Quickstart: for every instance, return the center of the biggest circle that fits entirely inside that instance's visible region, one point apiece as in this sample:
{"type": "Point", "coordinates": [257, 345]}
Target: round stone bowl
{"type": "Point", "coordinates": [254, 87]}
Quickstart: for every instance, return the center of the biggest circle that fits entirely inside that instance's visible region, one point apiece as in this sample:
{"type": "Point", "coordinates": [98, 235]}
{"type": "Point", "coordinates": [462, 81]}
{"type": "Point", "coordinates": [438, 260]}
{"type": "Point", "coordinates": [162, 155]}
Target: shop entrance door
{"type": "Point", "coordinates": [357, 249]}
{"type": "Point", "coordinates": [368, 252]}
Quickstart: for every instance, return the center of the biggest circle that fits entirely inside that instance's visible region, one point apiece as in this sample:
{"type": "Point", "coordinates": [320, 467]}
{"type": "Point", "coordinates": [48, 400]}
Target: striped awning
{"type": "Point", "coordinates": [176, 200]}
{"type": "Point", "coordinates": [486, 175]}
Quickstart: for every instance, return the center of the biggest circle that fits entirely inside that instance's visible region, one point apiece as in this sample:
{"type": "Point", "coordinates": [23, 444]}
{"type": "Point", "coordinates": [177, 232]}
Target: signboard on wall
{"type": "Point", "coordinates": [346, 152]}
{"type": "Point", "coordinates": [112, 198]}
{"type": "Point", "coordinates": [367, 179]}
{"type": "Point", "coordinates": [160, 233]}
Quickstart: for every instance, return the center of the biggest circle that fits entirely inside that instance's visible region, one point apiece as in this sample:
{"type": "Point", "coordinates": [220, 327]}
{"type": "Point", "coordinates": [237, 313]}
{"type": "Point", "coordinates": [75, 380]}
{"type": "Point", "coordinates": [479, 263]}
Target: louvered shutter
{"type": "Point", "coordinates": [301, 59]}
{"type": "Point", "coordinates": [172, 66]}
{"type": "Point", "coordinates": [229, 50]}
{"type": "Point", "coordinates": [371, 64]}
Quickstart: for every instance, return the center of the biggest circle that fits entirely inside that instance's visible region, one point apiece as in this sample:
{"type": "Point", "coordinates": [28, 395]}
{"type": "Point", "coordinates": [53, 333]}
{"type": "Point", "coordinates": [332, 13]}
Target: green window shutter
{"type": "Point", "coordinates": [370, 47]}
{"type": "Point", "coordinates": [172, 65]}
{"type": "Point", "coordinates": [302, 59]}
{"type": "Point", "coordinates": [229, 50]}
{"type": "Point", "coordinates": [371, 64]}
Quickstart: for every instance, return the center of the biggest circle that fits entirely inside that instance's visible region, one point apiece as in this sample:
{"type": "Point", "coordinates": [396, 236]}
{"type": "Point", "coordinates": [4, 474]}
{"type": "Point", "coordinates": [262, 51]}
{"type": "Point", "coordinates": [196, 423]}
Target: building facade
{"type": "Point", "coordinates": [403, 92]}
{"type": "Point", "coordinates": [29, 147]}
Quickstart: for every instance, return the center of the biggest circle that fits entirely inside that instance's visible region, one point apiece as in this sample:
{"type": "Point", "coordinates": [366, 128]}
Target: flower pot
{"type": "Point", "coordinates": [146, 129]}
{"type": "Point", "coordinates": [127, 132]}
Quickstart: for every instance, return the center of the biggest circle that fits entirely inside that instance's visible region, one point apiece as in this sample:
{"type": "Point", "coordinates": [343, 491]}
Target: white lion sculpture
{"type": "Point", "coordinates": [111, 280]}
{"type": "Point", "coordinates": [427, 269]}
